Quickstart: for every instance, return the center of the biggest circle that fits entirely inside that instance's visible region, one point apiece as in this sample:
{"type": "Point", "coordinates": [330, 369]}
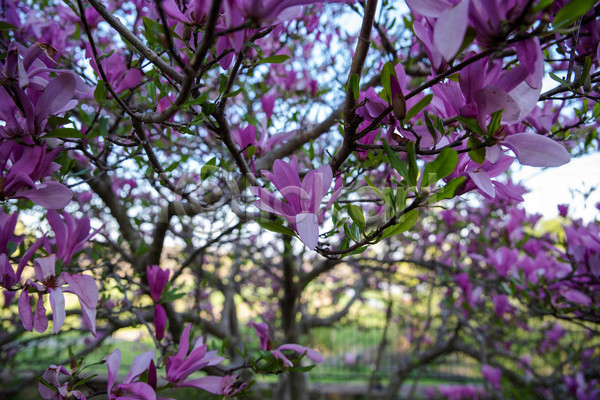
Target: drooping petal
{"type": "Point", "coordinates": [51, 195]}
{"type": "Point", "coordinates": [310, 353]}
{"type": "Point", "coordinates": [57, 302]}
{"type": "Point", "coordinates": [308, 229]}
{"type": "Point", "coordinates": [482, 180]}
{"type": "Point", "coordinates": [25, 310]}
{"type": "Point", "coordinates": [40, 322]}
{"type": "Point", "coordinates": [536, 150]}
{"type": "Point", "coordinates": [160, 321]}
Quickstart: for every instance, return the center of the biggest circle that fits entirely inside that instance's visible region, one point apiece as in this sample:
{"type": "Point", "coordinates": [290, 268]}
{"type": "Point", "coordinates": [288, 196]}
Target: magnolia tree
{"type": "Point", "coordinates": [216, 170]}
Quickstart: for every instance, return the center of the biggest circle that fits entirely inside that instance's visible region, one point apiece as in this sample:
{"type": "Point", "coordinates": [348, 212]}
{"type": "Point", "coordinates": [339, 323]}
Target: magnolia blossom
{"type": "Point", "coordinates": [302, 205]}
{"type": "Point", "coordinates": [83, 286]}
{"type": "Point", "coordinates": [62, 392]}
{"type": "Point", "coordinates": [130, 389]}
{"type": "Point", "coordinates": [182, 365]}
{"type": "Point", "coordinates": [262, 331]}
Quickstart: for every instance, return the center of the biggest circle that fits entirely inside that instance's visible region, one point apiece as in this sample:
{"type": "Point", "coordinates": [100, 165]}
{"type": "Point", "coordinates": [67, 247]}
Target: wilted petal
{"type": "Point", "coordinates": [536, 150]}
{"type": "Point", "coordinates": [40, 322]}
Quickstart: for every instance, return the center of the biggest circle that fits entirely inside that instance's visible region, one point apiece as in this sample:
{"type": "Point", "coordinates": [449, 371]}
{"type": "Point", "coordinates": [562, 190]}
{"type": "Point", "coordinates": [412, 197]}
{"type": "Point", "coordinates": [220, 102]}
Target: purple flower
{"type": "Point", "coordinates": [70, 234]}
{"type": "Point", "coordinates": [129, 390]}
{"type": "Point", "coordinates": [492, 375]}
{"type": "Point", "coordinates": [83, 286]}
{"type": "Point", "coordinates": [22, 166]}
{"type": "Point", "coordinates": [302, 205]}
{"type": "Point", "coordinates": [262, 330]}
{"type": "Point", "coordinates": [157, 279]}
{"type": "Point", "coordinates": [51, 375]}
{"type": "Point", "coordinates": [182, 365]}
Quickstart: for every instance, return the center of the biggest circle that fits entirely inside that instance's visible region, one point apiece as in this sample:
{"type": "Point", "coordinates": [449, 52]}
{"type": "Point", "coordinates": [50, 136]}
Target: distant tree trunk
{"type": "Point", "coordinates": [295, 385]}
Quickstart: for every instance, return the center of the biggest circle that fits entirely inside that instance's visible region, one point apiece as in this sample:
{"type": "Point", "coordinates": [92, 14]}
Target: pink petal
{"type": "Point", "coordinates": [57, 302]}
{"type": "Point", "coordinates": [450, 29]}
{"type": "Point", "coordinates": [482, 180]}
{"type": "Point", "coordinates": [25, 310]}
{"type": "Point", "coordinates": [40, 322]}
{"type": "Point", "coordinates": [56, 95]}
{"type": "Point", "coordinates": [308, 229]}
{"type": "Point", "coordinates": [537, 150]}
{"type": "Point", "coordinates": [212, 384]}
{"type": "Point", "coordinates": [113, 362]}
{"type": "Point", "coordinates": [51, 195]}
{"type": "Point", "coordinates": [44, 267]}
{"type": "Point", "coordinates": [428, 8]}
{"type": "Point", "coordinates": [310, 353]}
{"type": "Point", "coordinates": [140, 364]}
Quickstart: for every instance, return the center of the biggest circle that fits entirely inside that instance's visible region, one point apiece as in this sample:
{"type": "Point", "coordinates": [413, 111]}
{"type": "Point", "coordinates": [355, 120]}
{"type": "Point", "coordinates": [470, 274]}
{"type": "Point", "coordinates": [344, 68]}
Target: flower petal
{"type": "Point", "coordinates": [537, 150]}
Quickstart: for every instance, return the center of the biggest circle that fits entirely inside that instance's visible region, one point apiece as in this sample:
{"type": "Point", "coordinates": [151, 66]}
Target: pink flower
{"type": "Point", "coordinates": [51, 375]}
{"type": "Point", "coordinates": [129, 390]}
{"type": "Point", "coordinates": [182, 365]}
{"type": "Point", "coordinates": [492, 375]}
{"type": "Point", "coordinates": [302, 205]}
{"type": "Point", "coordinates": [70, 234]}
{"type": "Point", "coordinates": [157, 279]}
{"type": "Point", "coordinates": [22, 166]}
{"type": "Point", "coordinates": [83, 286]}
{"type": "Point", "coordinates": [262, 330]}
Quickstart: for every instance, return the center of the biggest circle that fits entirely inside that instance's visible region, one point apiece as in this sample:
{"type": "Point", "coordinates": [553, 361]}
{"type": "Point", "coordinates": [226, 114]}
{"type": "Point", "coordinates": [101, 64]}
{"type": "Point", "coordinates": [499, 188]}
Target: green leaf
{"type": "Point", "coordinates": [413, 169]}
{"type": "Point", "coordinates": [587, 65]}
{"type": "Point", "coordinates": [405, 222]}
{"type": "Point", "coordinates": [84, 381]}
{"type": "Point", "coordinates": [55, 121]}
{"type": "Point", "coordinates": [571, 12]}
{"type": "Point", "coordinates": [560, 80]}
{"type": "Point", "coordinates": [100, 92]}
{"type": "Point", "coordinates": [274, 226]}
{"type": "Point", "coordinates": [386, 74]}
{"type": "Point", "coordinates": [542, 4]}
{"type": "Point", "coordinates": [495, 122]}
{"type": "Point", "coordinates": [356, 213]}
{"type": "Point", "coordinates": [4, 26]}
{"type": "Point", "coordinates": [208, 169]}
{"type": "Point", "coordinates": [398, 164]}
{"type": "Point", "coordinates": [234, 93]}
{"type": "Point", "coordinates": [278, 59]}
{"type": "Point", "coordinates": [448, 191]}
{"type": "Point", "coordinates": [477, 155]}
{"type": "Point", "coordinates": [471, 125]}
{"type": "Point", "coordinates": [440, 168]}
{"type": "Point", "coordinates": [65, 133]}
{"type": "Point", "coordinates": [424, 102]}
{"type": "Point", "coordinates": [355, 86]}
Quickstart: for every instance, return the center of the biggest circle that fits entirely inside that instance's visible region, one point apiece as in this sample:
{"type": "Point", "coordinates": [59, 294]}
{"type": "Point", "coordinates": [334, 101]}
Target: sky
{"type": "Point", "coordinates": [566, 184]}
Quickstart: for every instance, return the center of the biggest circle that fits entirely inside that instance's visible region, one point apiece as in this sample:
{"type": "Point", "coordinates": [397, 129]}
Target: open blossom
{"type": "Point", "coordinates": [22, 169]}
{"type": "Point", "coordinates": [129, 389]}
{"type": "Point", "coordinates": [83, 286]}
{"type": "Point", "coordinates": [302, 205]}
{"type": "Point", "coordinates": [62, 392]}
{"type": "Point", "coordinates": [182, 365]}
